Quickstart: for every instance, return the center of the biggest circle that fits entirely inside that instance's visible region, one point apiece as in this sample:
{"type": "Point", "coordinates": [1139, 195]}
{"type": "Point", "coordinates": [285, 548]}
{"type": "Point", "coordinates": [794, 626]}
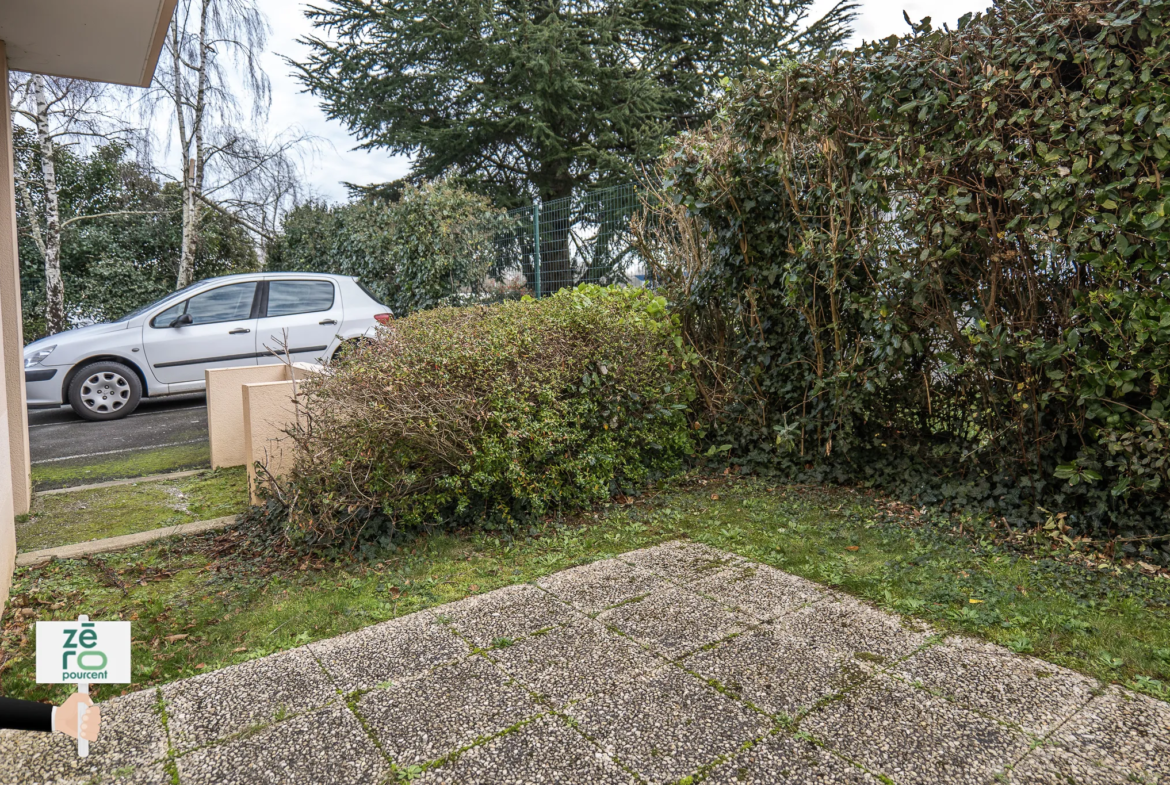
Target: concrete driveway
{"type": "Point", "coordinates": [63, 446]}
{"type": "Point", "coordinates": [673, 664]}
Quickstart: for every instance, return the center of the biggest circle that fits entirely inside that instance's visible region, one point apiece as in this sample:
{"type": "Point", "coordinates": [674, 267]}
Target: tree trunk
{"type": "Point", "coordinates": [193, 166]}
{"type": "Point", "coordinates": [556, 222]}
{"type": "Point", "coordinates": [54, 286]}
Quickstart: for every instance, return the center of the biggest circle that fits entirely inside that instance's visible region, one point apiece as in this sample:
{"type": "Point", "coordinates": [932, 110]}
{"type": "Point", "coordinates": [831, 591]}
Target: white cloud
{"type": "Point", "coordinates": [337, 161]}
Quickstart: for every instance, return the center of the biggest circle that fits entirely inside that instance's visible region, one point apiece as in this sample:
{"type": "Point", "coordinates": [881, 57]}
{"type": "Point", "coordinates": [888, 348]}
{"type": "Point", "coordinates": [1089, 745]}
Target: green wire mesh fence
{"type": "Point", "coordinates": [560, 243]}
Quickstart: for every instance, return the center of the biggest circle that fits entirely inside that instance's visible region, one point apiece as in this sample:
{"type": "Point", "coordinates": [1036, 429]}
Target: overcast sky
{"type": "Point", "coordinates": [338, 162]}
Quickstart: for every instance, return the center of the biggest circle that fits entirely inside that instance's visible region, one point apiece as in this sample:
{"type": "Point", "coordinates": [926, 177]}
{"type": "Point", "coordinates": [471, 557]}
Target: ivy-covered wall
{"type": "Point", "coordinates": [940, 266]}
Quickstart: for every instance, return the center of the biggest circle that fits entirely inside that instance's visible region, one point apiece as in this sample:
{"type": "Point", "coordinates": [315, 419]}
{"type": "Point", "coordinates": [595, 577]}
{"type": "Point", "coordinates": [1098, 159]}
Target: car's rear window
{"type": "Point", "coordinates": [289, 297]}
{"type": "Point", "coordinates": [369, 294]}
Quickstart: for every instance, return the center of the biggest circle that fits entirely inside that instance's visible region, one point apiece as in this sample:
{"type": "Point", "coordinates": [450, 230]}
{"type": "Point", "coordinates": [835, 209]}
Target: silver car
{"type": "Point", "coordinates": [104, 370]}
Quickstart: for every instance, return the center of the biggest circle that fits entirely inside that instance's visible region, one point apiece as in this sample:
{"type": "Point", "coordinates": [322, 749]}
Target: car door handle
{"type": "Point", "coordinates": [239, 330]}
{"type": "Point", "coordinates": [327, 321]}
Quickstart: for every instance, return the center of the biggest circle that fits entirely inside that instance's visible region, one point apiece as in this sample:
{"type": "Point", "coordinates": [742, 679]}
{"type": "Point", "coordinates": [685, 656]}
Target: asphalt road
{"type": "Point", "coordinates": [58, 436]}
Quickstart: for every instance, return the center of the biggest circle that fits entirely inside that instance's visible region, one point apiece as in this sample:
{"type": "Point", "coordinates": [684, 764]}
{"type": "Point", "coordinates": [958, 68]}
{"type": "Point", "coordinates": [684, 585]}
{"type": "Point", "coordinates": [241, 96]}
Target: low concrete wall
{"type": "Point", "coordinates": [225, 409]}
{"type": "Point", "coordinates": [225, 406]}
{"type": "Point", "coordinates": [268, 412]}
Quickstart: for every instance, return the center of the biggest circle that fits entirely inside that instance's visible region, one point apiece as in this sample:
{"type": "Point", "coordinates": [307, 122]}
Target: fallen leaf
{"type": "Point", "coordinates": [395, 592]}
{"type": "Point", "coordinates": [237, 651]}
{"type": "Point", "coordinates": [473, 587]}
{"type": "Point", "coordinates": [173, 638]}
{"type": "Point", "coordinates": [853, 547]}
{"type": "Point", "coordinates": [200, 666]}
{"type": "Point", "coordinates": [715, 497]}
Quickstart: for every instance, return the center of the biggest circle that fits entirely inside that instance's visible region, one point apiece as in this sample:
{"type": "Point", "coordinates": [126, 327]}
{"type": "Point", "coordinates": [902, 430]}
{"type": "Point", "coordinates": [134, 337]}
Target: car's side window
{"type": "Point", "coordinates": [223, 304]}
{"type": "Point", "coordinates": [289, 297]}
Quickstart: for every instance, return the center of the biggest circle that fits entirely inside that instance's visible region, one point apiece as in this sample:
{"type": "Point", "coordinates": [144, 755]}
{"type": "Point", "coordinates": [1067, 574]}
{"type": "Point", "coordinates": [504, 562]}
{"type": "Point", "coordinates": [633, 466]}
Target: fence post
{"type": "Point", "coordinates": [536, 242]}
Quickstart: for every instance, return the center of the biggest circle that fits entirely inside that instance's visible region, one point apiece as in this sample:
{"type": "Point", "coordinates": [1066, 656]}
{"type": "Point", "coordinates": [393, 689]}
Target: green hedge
{"type": "Point", "coordinates": [487, 416]}
{"type": "Point", "coordinates": [941, 265]}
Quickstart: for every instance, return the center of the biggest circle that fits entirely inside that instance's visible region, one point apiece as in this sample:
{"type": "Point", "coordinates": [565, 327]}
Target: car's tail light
{"type": "Point", "coordinates": [383, 318]}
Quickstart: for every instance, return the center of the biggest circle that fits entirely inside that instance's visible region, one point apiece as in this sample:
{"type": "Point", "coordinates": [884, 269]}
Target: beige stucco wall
{"type": "Point", "coordinates": [268, 412]}
{"type": "Point", "coordinates": [225, 409]}
{"type": "Point", "coordinates": [13, 330]}
{"type": "Point", "coordinates": [14, 477]}
{"type": "Point", "coordinates": [225, 406]}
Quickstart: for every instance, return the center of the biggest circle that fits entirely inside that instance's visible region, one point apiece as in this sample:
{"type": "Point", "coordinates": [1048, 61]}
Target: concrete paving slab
{"type": "Point", "coordinates": [681, 561]}
{"type": "Point", "coordinates": [783, 759]}
{"type": "Point", "coordinates": [1036, 695]}
{"type": "Point", "coordinates": [508, 613]}
{"type": "Point", "coordinates": [392, 650]}
{"type": "Point", "coordinates": [1119, 738]}
{"type": "Point", "coordinates": [327, 745]}
{"type": "Point", "coordinates": [422, 719]}
{"type": "Point", "coordinates": [543, 752]}
{"type": "Point", "coordinates": [627, 713]}
{"type": "Point", "coordinates": [592, 588]}
{"type": "Point", "coordinates": [851, 628]}
{"type": "Point", "coordinates": [776, 672]}
{"type": "Point", "coordinates": [575, 661]}
{"type": "Point", "coordinates": [759, 590]}
{"type": "Point", "coordinates": [131, 742]}
{"type": "Point", "coordinates": [913, 737]}
{"type": "Point", "coordinates": [674, 621]}
{"type": "Point", "coordinates": [216, 705]}
{"type": "Point", "coordinates": [666, 726]}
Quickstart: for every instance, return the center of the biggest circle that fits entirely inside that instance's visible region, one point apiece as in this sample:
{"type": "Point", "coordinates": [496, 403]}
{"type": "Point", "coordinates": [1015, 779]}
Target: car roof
{"type": "Point", "coordinates": [268, 274]}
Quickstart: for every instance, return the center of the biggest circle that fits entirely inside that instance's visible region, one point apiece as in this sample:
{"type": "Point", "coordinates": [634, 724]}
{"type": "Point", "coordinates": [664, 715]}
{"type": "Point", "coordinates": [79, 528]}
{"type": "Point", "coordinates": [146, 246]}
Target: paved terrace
{"type": "Point", "coordinates": [671, 662]}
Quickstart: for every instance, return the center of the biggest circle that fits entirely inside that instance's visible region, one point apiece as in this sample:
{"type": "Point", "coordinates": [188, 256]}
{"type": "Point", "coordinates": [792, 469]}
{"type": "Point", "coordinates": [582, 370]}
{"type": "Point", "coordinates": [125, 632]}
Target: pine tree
{"type": "Point", "coordinates": [522, 98]}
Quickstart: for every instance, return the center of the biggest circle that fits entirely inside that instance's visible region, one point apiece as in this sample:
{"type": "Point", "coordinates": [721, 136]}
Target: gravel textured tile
{"type": "Point", "coordinates": [777, 672]}
{"type": "Point", "coordinates": [327, 745]}
{"type": "Point", "coordinates": [667, 725]}
{"type": "Point", "coordinates": [913, 737]}
{"type": "Point", "coordinates": [222, 703]}
{"type": "Point", "coordinates": [132, 739]}
{"type": "Point", "coordinates": [674, 621]}
{"type": "Point", "coordinates": [510, 612]}
{"type": "Point", "coordinates": [1025, 691]}
{"type": "Point", "coordinates": [543, 752]}
{"type": "Point", "coordinates": [592, 588]}
{"type": "Point", "coordinates": [759, 590]}
{"type": "Point", "coordinates": [575, 661]}
{"type": "Point", "coordinates": [682, 561]}
{"type": "Point", "coordinates": [394, 649]}
{"type": "Point", "coordinates": [786, 760]}
{"type": "Point", "coordinates": [852, 628]}
{"type": "Point", "coordinates": [423, 719]}
{"type": "Point", "coordinates": [1119, 738]}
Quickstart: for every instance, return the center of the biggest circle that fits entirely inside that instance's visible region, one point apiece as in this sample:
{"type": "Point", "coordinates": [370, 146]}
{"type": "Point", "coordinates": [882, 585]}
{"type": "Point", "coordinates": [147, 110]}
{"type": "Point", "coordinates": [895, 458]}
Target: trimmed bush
{"type": "Point", "coordinates": [939, 264]}
{"type": "Point", "coordinates": [489, 415]}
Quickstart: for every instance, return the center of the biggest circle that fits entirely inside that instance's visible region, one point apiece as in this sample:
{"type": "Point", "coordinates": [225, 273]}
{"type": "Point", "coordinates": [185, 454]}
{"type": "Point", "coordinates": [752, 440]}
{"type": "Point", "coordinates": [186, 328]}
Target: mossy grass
{"type": "Point", "coordinates": [1109, 621]}
{"type": "Point", "coordinates": [85, 471]}
{"type": "Point", "coordinates": [67, 518]}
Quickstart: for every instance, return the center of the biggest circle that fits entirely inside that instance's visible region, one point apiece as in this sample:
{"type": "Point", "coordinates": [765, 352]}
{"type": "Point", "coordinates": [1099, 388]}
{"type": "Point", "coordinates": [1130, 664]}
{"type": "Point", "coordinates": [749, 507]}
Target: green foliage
{"type": "Point", "coordinates": [942, 262]}
{"type": "Point", "coordinates": [113, 264]}
{"type": "Point", "coordinates": [491, 416]}
{"type": "Point", "coordinates": [432, 246]}
{"type": "Point", "coordinates": [529, 97]}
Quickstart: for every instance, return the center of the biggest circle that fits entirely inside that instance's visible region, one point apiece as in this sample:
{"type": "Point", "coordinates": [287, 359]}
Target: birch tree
{"type": "Point", "coordinates": [211, 78]}
{"type": "Point", "coordinates": [62, 112]}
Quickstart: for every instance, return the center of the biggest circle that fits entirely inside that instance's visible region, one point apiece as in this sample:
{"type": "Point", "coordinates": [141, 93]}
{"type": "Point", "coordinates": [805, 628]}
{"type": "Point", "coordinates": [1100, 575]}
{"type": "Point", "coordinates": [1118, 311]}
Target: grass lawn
{"type": "Point", "coordinates": [85, 471]}
{"type": "Point", "coordinates": [206, 602]}
{"type": "Point", "coordinates": [66, 518]}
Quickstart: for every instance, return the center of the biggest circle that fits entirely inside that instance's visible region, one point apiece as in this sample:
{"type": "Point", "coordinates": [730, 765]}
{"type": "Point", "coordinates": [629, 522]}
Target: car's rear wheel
{"type": "Point", "coordinates": [105, 391]}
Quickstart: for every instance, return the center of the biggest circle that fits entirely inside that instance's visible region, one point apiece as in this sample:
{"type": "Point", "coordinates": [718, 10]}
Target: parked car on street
{"type": "Point", "coordinates": [104, 370]}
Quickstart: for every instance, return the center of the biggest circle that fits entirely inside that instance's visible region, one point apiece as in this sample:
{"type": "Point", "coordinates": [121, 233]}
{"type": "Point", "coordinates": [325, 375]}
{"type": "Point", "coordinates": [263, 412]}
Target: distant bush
{"type": "Point", "coordinates": [489, 415]}
{"type": "Point", "coordinates": [938, 264]}
{"type": "Point", "coordinates": [432, 245]}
